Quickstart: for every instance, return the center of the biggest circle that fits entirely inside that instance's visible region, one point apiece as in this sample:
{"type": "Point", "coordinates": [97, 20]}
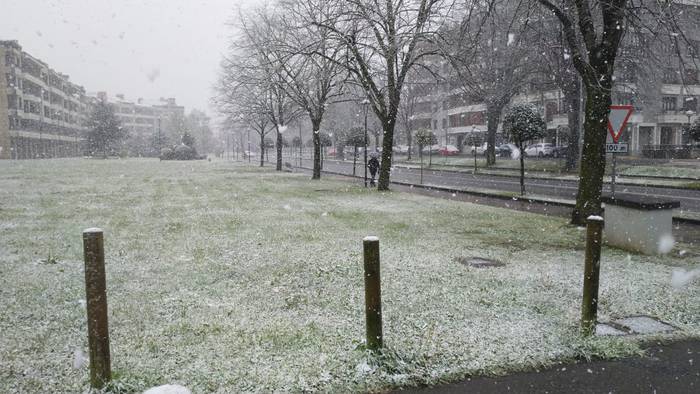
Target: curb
{"type": "Point", "coordinates": [530, 200]}
{"type": "Point", "coordinates": [623, 183]}
{"type": "Point", "coordinates": [496, 169]}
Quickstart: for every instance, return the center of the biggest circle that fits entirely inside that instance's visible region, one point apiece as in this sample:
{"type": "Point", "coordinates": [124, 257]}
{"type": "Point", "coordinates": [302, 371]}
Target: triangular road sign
{"type": "Point", "coordinates": [619, 115]}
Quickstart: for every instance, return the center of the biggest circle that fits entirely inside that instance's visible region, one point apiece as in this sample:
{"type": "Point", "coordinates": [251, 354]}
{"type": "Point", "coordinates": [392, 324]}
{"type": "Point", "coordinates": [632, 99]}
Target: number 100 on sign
{"type": "Point", "coordinates": [616, 148]}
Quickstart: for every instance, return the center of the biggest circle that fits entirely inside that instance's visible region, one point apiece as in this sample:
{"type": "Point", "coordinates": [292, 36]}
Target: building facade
{"type": "Point", "coordinates": [42, 113]}
{"type": "Point", "coordinates": [664, 95]}
{"type": "Point", "coordinates": [148, 122]}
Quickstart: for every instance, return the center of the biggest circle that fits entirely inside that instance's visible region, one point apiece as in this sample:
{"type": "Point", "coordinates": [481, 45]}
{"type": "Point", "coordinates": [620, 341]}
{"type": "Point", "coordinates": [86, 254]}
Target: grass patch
{"type": "Point", "coordinates": [663, 171]}
{"type": "Point", "coordinates": [229, 278]}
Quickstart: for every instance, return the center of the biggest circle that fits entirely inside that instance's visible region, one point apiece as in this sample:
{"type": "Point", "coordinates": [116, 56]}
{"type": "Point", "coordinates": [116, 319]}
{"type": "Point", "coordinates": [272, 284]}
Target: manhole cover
{"type": "Point", "coordinates": [479, 262]}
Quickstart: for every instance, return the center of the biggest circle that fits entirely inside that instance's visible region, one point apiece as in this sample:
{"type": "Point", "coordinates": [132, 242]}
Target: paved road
{"type": "Point", "coordinates": [690, 199]}
{"type": "Point", "coordinates": [673, 369]}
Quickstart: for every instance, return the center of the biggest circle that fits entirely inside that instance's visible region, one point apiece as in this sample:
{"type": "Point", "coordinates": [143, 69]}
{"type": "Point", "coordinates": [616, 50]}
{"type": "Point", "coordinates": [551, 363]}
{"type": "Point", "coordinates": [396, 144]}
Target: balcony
{"type": "Point", "coordinates": [677, 117]}
{"type": "Point", "coordinates": [667, 151]}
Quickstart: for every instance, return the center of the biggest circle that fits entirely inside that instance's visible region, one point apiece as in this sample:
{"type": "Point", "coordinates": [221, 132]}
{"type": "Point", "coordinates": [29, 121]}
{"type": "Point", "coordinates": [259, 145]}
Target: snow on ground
{"type": "Point", "coordinates": [226, 278]}
{"type": "Point", "coordinates": [690, 171]}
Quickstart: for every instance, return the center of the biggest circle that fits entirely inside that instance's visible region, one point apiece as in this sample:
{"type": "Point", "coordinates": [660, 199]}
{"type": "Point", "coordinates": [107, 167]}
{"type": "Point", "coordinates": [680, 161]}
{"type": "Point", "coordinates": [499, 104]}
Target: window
{"type": "Point", "coordinates": [666, 136]}
{"type": "Point", "coordinates": [694, 48]}
{"type": "Point", "coordinates": [690, 103]}
{"type": "Point", "coordinates": [691, 76]}
{"type": "Point", "coordinates": [670, 76]}
{"type": "Point", "coordinates": [551, 109]}
{"type": "Point", "coordinates": [668, 103]}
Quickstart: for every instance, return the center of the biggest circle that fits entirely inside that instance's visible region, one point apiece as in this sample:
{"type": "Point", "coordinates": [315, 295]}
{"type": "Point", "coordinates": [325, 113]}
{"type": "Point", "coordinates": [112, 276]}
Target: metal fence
{"type": "Point", "coordinates": [667, 151]}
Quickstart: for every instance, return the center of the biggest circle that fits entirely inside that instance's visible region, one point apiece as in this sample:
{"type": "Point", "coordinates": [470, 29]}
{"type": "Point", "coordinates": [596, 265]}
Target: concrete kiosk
{"type": "Point", "coordinates": [639, 223]}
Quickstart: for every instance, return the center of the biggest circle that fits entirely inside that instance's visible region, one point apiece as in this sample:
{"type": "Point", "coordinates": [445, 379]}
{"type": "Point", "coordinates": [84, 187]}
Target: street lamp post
{"type": "Point", "coordinates": [249, 146]}
{"type": "Point", "coordinates": [474, 140]}
{"type": "Point", "coordinates": [160, 148]}
{"type": "Point", "coordinates": [301, 147]}
{"type": "Point", "coordinates": [365, 108]}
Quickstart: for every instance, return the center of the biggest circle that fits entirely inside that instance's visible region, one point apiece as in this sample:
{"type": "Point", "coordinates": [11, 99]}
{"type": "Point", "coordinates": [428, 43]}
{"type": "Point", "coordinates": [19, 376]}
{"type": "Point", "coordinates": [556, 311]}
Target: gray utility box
{"type": "Point", "coordinates": [639, 223]}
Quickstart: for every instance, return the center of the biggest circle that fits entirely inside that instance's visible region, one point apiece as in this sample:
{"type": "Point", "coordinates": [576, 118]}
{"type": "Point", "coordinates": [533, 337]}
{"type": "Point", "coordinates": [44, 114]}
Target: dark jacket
{"type": "Point", "coordinates": [373, 165]}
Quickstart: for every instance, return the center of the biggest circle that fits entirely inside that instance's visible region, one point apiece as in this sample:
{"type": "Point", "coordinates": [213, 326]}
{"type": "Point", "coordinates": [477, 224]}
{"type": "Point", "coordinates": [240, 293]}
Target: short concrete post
{"type": "Point", "coordinates": [373, 294]}
{"type": "Point", "coordinates": [591, 275]}
{"type": "Point", "coordinates": [96, 301]}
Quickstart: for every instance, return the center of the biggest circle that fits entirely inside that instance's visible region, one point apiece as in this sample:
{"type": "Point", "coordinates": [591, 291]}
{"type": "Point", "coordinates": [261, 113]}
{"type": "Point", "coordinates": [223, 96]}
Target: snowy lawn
{"type": "Point", "coordinates": [229, 278]}
{"type": "Point", "coordinates": [667, 170]}
{"type": "Point", "coordinates": [531, 164]}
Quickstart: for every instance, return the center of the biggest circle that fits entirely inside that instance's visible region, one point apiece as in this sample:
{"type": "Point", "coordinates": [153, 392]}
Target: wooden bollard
{"type": "Point", "coordinates": [373, 294]}
{"type": "Point", "coordinates": [591, 275]}
{"type": "Point", "coordinates": [96, 301]}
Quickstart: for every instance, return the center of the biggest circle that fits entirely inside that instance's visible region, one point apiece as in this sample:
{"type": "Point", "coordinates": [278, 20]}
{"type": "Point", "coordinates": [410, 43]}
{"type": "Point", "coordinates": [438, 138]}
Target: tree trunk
{"type": "Point", "coordinates": [590, 185]}
{"type": "Point", "coordinates": [278, 144]}
{"type": "Point", "coordinates": [262, 150]}
{"type": "Point", "coordinates": [317, 149]}
{"type": "Point", "coordinates": [409, 137]}
{"type": "Point", "coordinates": [522, 169]}
{"type": "Point", "coordinates": [354, 159]}
{"type": "Point", "coordinates": [493, 115]}
{"type": "Point", "coordinates": [420, 154]}
{"type": "Point", "coordinates": [430, 155]}
{"type": "Point", "coordinates": [572, 96]}
{"type": "Point", "coordinates": [387, 152]}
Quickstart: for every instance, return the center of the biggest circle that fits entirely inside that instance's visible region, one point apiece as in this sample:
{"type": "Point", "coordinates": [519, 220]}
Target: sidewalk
{"type": "Point", "coordinates": [672, 368]}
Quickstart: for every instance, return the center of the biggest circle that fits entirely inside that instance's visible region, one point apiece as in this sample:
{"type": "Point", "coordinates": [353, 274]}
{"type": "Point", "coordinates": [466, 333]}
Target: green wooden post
{"type": "Point", "coordinates": [96, 300]}
{"type": "Point", "coordinates": [373, 294]}
{"type": "Point", "coordinates": [591, 276]}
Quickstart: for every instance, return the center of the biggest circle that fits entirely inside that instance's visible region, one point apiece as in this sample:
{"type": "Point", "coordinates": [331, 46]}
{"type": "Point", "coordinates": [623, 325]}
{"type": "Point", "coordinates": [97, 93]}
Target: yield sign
{"type": "Point", "coordinates": [617, 120]}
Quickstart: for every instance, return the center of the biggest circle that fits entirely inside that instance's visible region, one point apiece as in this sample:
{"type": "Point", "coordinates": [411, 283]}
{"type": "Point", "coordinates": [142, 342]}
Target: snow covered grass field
{"type": "Point", "coordinates": [667, 170]}
{"type": "Point", "coordinates": [225, 278]}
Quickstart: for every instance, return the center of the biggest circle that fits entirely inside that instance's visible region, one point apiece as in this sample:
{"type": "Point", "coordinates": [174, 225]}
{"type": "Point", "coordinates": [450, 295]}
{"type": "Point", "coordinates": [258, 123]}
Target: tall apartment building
{"type": "Point", "coordinates": [144, 120]}
{"type": "Point", "coordinates": [664, 104]}
{"type": "Point", "coordinates": [42, 113]}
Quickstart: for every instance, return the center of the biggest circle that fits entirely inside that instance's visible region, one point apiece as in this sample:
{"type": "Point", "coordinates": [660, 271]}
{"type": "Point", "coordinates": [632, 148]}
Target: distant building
{"type": "Point", "coordinates": [42, 113]}
{"type": "Point", "coordinates": [664, 104]}
{"type": "Point", "coordinates": [144, 120]}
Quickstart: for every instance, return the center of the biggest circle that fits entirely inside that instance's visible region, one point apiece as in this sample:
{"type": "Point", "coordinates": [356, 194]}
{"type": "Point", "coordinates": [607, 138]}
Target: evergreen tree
{"type": "Point", "coordinates": [694, 131]}
{"type": "Point", "coordinates": [523, 123]}
{"type": "Point", "coordinates": [104, 130]}
{"type": "Point", "coordinates": [187, 139]}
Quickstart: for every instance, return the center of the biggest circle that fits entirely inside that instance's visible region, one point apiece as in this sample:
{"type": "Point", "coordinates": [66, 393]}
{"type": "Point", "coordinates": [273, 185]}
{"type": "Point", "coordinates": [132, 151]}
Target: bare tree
{"type": "Point", "coordinates": [241, 97]}
{"type": "Point", "coordinates": [311, 65]}
{"type": "Point", "coordinates": [490, 55]}
{"type": "Point", "coordinates": [593, 30]}
{"type": "Point", "coordinates": [384, 40]}
{"type": "Point", "coordinates": [416, 92]}
{"type": "Point", "coordinates": [262, 38]}
{"type": "Point", "coordinates": [557, 68]}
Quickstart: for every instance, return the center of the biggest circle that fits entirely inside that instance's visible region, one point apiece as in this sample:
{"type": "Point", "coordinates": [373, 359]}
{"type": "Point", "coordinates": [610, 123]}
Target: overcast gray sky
{"type": "Point", "coordinates": [142, 48]}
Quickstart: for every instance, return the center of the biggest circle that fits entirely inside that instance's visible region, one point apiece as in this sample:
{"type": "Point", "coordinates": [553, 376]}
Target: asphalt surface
{"type": "Point", "coordinates": [556, 188]}
{"type": "Point", "coordinates": [673, 368]}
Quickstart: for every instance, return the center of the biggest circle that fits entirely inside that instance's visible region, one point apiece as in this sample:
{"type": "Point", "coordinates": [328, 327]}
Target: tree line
{"type": "Point", "coordinates": [106, 136]}
{"type": "Point", "coordinates": [290, 60]}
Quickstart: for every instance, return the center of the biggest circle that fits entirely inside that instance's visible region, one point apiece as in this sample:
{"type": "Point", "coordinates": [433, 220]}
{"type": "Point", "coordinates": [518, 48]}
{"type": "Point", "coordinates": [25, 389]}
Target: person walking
{"type": "Point", "coordinates": [373, 165]}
